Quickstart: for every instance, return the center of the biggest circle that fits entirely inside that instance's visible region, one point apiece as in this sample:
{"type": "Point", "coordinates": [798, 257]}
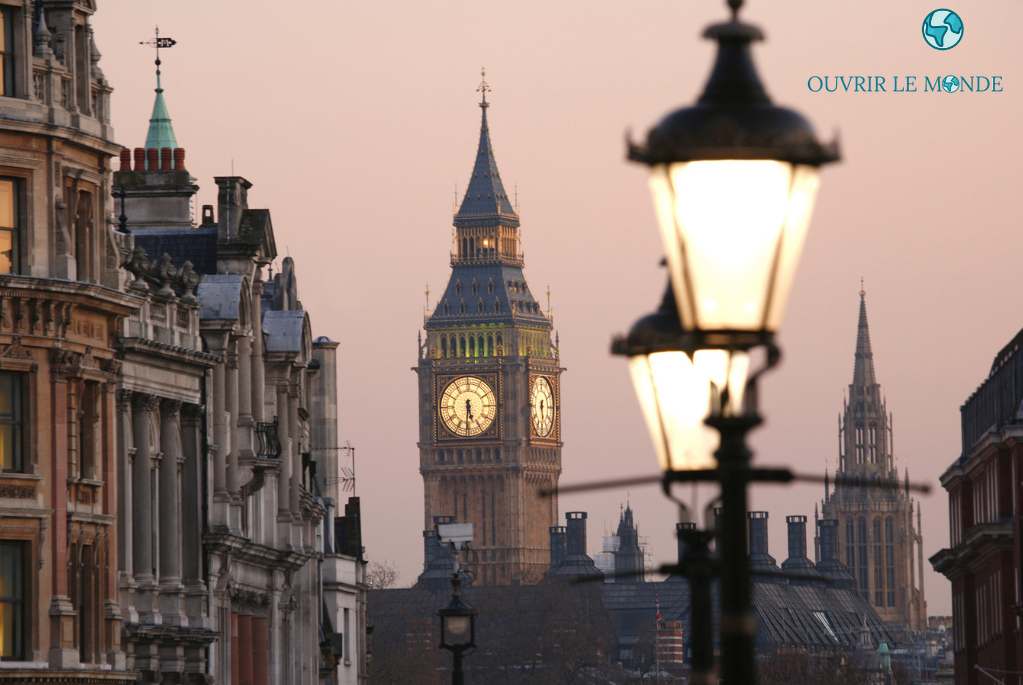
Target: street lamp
{"type": "Point", "coordinates": [457, 630]}
{"type": "Point", "coordinates": [733, 179]}
{"type": "Point", "coordinates": [457, 619]}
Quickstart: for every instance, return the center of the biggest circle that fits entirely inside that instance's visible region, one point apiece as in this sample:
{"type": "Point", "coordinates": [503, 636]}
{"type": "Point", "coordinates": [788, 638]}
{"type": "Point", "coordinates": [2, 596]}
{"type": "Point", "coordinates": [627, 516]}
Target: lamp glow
{"type": "Point", "coordinates": [733, 231]}
{"type": "Point", "coordinates": [676, 394]}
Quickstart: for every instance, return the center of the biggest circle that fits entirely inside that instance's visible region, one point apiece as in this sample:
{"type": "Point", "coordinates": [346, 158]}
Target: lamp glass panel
{"type": "Point", "coordinates": [805, 182]}
{"type": "Point", "coordinates": [675, 396]}
{"type": "Point", "coordinates": [721, 237]}
{"type": "Point", "coordinates": [457, 625]}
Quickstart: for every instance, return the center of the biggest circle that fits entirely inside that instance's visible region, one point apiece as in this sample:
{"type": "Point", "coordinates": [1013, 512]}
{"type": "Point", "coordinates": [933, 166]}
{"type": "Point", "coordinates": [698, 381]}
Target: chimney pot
{"type": "Point", "coordinates": [140, 159]}
{"type": "Point", "coordinates": [179, 158]}
{"type": "Point", "coordinates": [152, 159]}
{"type": "Point", "coordinates": [165, 158]}
{"type": "Point", "coordinates": [125, 159]}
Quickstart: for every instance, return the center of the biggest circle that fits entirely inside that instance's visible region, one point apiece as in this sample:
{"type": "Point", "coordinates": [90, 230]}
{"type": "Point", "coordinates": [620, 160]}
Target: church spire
{"type": "Point", "coordinates": [161, 131]}
{"type": "Point", "coordinates": [485, 195]}
{"type": "Point", "coordinates": [863, 370]}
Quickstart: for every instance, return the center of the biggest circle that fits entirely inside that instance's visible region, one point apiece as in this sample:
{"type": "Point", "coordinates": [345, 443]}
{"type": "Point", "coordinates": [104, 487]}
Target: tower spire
{"type": "Point", "coordinates": [863, 370]}
{"type": "Point", "coordinates": [161, 132]}
{"type": "Point", "coordinates": [485, 195]}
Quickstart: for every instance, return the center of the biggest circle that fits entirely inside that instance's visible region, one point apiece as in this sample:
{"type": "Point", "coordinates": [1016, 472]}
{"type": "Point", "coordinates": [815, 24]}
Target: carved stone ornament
{"type": "Point", "coordinates": [138, 264]}
{"type": "Point", "coordinates": [165, 272]}
{"type": "Point", "coordinates": [143, 403]}
{"type": "Point", "coordinates": [169, 409]}
{"type": "Point", "coordinates": [15, 350]}
{"type": "Point", "coordinates": [188, 279]}
{"type": "Point", "coordinates": [17, 491]}
{"type": "Point", "coordinates": [61, 360]}
{"type": "Point", "coordinates": [111, 366]}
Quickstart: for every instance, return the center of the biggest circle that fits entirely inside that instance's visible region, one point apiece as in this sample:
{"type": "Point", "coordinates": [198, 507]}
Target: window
{"type": "Point", "coordinates": [850, 545]}
{"type": "Point", "coordinates": [10, 422]}
{"type": "Point", "coordinates": [8, 227]}
{"type": "Point", "coordinates": [7, 51]}
{"type": "Point", "coordinates": [12, 601]}
{"type": "Point", "coordinates": [861, 572]}
{"type": "Point", "coordinates": [878, 570]}
{"type": "Point", "coordinates": [889, 558]}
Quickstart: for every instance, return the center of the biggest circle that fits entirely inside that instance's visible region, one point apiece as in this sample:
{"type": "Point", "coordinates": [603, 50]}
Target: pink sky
{"type": "Point", "coordinates": [354, 122]}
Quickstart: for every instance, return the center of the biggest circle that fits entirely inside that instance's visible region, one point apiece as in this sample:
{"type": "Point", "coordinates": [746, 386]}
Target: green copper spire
{"type": "Point", "coordinates": [161, 131]}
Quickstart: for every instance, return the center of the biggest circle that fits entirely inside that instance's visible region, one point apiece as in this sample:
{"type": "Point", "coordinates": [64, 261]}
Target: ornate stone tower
{"type": "Point", "coordinates": [877, 538]}
{"type": "Point", "coordinates": [489, 389]}
{"type": "Point", "coordinates": [629, 565]}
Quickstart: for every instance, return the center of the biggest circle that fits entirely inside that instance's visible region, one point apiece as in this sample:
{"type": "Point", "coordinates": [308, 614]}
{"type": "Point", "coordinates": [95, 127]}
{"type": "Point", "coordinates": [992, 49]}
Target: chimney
{"type": "Point", "coordinates": [761, 562]}
{"type": "Point", "coordinates": [829, 565]}
{"type": "Point", "coordinates": [232, 200]}
{"type": "Point", "coordinates": [798, 563]}
{"type": "Point", "coordinates": [179, 158]}
{"type": "Point", "coordinates": [140, 159]}
{"type": "Point", "coordinates": [827, 530]}
{"type": "Point", "coordinates": [679, 527]}
{"type": "Point", "coordinates": [559, 544]}
{"type": "Point", "coordinates": [576, 532]}
{"type": "Point", "coordinates": [125, 160]}
{"type": "Point", "coordinates": [165, 158]}
{"type": "Point", "coordinates": [429, 548]}
{"type": "Point", "coordinates": [152, 159]}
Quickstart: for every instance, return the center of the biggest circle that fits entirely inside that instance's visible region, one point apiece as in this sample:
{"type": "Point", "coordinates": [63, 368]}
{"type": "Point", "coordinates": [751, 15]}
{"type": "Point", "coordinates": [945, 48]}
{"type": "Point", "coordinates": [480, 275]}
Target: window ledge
{"type": "Point", "coordinates": [14, 475]}
{"type": "Point", "coordinates": [24, 664]}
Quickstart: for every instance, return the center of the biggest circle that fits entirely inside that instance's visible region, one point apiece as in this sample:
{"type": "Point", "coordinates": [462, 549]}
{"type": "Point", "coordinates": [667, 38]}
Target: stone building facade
{"type": "Point", "coordinates": [489, 389]}
{"type": "Point", "coordinates": [983, 558]}
{"type": "Point", "coordinates": [164, 408]}
{"type": "Point", "coordinates": [879, 540]}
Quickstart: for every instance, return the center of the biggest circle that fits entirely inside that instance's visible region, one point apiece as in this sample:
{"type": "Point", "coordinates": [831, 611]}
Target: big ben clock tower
{"type": "Point", "coordinates": [489, 390]}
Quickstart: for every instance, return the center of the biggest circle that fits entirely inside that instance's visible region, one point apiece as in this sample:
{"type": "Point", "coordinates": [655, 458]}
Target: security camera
{"type": "Point", "coordinates": [456, 534]}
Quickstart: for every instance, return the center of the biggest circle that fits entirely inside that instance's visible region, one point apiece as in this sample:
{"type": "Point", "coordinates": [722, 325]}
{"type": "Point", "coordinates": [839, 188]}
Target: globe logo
{"type": "Point", "coordinates": [943, 29]}
{"type": "Point", "coordinates": [950, 84]}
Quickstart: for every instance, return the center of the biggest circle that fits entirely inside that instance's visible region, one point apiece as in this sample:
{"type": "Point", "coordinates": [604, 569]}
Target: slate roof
{"type": "Point", "coordinates": [485, 195]}
{"type": "Point", "coordinates": [220, 296]}
{"type": "Point", "coordinates": [284, 330]}
{"type": "Point", "coordinates": [197, 245]}
{"type": "Point", "coordinates": [509, 287]}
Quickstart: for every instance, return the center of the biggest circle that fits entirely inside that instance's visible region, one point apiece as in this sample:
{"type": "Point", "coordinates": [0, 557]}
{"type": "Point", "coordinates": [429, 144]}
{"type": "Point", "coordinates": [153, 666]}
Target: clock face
{"type": "Point", "coordinates": [542, 407]}
{"type": "Point", "coordinates": [468, 406]}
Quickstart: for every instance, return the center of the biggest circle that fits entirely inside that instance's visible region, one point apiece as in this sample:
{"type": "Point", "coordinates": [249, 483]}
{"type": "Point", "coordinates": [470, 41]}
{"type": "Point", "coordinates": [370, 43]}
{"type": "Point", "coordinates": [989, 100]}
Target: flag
{"type": "Point", "coordinates": [657, 604]}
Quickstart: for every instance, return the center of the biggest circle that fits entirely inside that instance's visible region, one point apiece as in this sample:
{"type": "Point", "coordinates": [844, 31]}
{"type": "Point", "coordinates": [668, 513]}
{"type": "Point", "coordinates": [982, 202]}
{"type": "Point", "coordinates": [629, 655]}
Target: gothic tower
{"type": "Point", "coordinates": [629, 565]}
{"type": "Point", "coordinates": [489, 389]}
{"type": "Point", "coordinates": [876, 532]}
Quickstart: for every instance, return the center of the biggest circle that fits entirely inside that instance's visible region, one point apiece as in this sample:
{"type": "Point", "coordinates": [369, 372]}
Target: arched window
{"type": "Point", "coordinates": [861, 560]}
{"type": "Point", "coordinates": [461, 307]}
{"type": "Point", "coordinates": [465, 248]}
{"type": "Point", "coordinates": [889, 559]}
{"type": "Point", "coordinates": [878, 565]}
{"type": "Point", "coordinates": [444, 347]}
{"type": "Point", "coordinates": [447, 307]}
{"type": "Point", "coordinates": [458, 287]}
{"type": "Point", "coordinates": [481, 307]}
{"type": "Point", "coordinates": [475, 287]}
{"type": "Point", "coordinates": [461, 346]}
{"type": "Point", "coordinates": [490, 344]}
{"type": "Point", "coordinates": [497, 306]}
{"type": "Point", "coordinates": [472, 346]}
{"type": "Point", "coordinates": [490, 286]}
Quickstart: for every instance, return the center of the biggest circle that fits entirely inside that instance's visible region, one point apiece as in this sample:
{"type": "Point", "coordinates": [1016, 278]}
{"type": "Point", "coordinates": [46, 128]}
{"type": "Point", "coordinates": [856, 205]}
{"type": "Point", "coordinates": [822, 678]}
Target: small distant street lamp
{"type": "Point", "coordinates": [733, 179]}
{"type": "Point", "coordinates": [457, 630]}
{"type": "Point", "coordinates": [457, 619]}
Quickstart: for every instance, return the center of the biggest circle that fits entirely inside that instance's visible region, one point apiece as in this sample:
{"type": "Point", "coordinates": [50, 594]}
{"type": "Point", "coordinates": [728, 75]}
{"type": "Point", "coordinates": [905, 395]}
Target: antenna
{"type": "Point", "coordinates": [346, 479]}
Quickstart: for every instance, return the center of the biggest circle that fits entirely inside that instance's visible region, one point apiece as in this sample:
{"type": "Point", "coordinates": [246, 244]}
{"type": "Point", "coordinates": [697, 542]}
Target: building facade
{"type": "Point", "coordinates": [983, 557]}
{"type": "Point", "coordinates": [879, 540]}
{"type": "Point", "coordinates": [165, 414]}
{"type": "Point", "coordinates": [489, 389]}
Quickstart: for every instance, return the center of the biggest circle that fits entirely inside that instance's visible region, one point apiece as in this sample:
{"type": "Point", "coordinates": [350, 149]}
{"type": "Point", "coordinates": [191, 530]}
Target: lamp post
{"type": "Point", "coordinates": [457, 630]}
{"type": "Point", "coordinates": [457, 619]}
{"type": "Point", "coordinates": [733, 180]}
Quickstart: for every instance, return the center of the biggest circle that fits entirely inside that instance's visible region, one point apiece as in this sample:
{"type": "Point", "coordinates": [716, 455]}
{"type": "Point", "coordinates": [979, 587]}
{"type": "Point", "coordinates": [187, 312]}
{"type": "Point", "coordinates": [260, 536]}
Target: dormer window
{"type": "Point", "coordinates": [481, 307]}
{"type": "Point", "coordinates": [461, 307]}
{"type": "Point", "coordinates": [497, 306]}
{"type": "Point", "coordinates": [447, 307]}
{"type": "Point", "coordinates": [490, 287]}
{"type": "Point", "coordinates": [458, 287]}
{"type": "Point", "coordinates": [475, 287]}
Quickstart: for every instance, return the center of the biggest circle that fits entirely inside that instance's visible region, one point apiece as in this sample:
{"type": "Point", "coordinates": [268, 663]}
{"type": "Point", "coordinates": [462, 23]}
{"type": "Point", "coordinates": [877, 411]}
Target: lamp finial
{"type": "Point", "coordinates": [863, 293]}
{"type": "Point", "coordinates": [484, 88]}
{"type": "Point", "coordinates": [736, 5]}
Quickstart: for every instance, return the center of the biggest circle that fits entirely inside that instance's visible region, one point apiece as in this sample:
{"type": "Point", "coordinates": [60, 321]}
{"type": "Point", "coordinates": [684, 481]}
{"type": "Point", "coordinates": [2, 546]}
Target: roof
{"type": "Point", "coordinates": [220, 296]}
{"type": "Point", "coordinates": [509, 288]}
{"type": "Point", "coordinates": [197, 245]}
{"type": "Point", "coordinates": [161, 131]}
{"type": "Point", "coordinates": [485, 195]}
{"type": "Point", "coordinates": [284, 330]}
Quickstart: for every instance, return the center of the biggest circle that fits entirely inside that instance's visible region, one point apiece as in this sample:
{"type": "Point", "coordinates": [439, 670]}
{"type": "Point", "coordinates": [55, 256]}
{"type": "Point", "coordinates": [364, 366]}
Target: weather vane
{"type": "Point", "coordinates": [484, 88]}
{"type": "Point", "coordinates": [158, 42]}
